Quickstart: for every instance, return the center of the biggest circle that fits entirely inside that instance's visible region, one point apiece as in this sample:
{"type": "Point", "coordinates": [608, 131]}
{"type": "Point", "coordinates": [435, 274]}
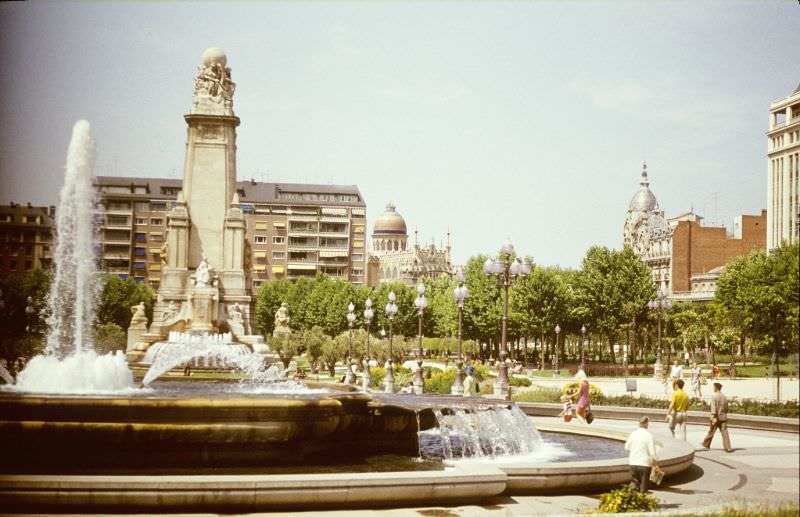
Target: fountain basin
{"type": "Point", "coordinates": [674, 456]}
{"type": "Point", "coordinates": [161, 431]}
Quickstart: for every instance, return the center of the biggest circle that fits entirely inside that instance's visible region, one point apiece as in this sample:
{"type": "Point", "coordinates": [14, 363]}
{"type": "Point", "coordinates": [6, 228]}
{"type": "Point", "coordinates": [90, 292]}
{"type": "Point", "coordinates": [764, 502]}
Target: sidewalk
{"type": "Point", "coordinates": [751, 388]}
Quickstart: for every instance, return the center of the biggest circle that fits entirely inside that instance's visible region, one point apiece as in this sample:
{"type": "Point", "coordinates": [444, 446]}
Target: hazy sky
{"type": "Point", "coordinates": [527, 120]}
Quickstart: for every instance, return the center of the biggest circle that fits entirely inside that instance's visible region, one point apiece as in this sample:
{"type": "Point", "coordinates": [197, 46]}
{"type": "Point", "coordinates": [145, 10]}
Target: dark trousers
{"type": "Point", "coordinates": [641, 477]}
{"type": "Point", "coordinates": [723, 430]}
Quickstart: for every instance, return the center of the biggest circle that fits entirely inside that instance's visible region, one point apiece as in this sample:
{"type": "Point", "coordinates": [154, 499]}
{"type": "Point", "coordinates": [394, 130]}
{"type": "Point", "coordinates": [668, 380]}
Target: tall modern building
{"type": "Point", "coordinates": [783, 156]}
{"type": "Point", "coordinates": [26, 234]}
{"type": "Point", "coordinates": [685, 256]}
{"type": "Point", "coordinates": [291, 230]}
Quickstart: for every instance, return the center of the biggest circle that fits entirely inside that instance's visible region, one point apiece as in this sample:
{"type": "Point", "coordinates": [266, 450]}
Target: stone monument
{"type": "Point", "coordinates": [204, 282]}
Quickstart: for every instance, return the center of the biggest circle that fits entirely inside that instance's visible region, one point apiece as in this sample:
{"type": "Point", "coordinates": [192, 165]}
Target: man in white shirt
{"type": "Point", "coordinates": [677, 371]}
{"type": "Point", "coordinates": [641, 449]}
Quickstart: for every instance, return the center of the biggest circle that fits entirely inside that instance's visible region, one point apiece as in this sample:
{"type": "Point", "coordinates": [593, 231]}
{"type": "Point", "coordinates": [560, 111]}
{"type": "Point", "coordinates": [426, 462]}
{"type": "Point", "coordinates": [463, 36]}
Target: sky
{"type": "Point", "coordinates": [526, 121]}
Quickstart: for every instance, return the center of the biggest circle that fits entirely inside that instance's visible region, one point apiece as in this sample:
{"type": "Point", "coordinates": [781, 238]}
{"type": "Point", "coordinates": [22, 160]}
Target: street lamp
{"type": "Point", "coordinates": [583, 344]}
{"type": "Point", "coordinates": [420, 302]}
{"type": "Point", "coordinates": [555, 355]}
{"type": "Point", "coordinates": [460, 294]}
{"type": "Point", "coordinates": [506, 271]}
{"type": "Point", "coordinates": [368, 314]}
{"type": "Point", "coordinates": [391, 310]}
{"type": "Point", "coordinates": [350, 377]}
{"type": "Point", "coordinates": [660, 304]}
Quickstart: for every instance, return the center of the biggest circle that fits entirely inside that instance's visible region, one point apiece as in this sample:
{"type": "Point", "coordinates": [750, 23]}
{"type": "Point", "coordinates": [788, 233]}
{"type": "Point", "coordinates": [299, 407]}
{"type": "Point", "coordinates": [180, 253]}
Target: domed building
{"type": "Point", "coordinates": [391, 259]}
{"type": "Point", "coordinates": [648, 233]}
{"type": "Point", "coordinates": [684, 255]}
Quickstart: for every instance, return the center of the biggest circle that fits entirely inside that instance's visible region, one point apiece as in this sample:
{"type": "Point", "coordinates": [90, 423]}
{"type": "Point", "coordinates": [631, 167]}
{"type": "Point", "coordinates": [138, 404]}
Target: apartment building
{"type": "Point", "coordinates": [783, 169]}
{"type": "Point", "coordinates": [26, 236]}
{"type": "Point", "coordinates": [293, 230]}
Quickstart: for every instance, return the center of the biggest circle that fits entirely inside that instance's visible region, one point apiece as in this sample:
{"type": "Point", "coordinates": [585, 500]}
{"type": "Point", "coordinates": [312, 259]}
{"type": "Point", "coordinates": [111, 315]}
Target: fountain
{"type": "Point", "coordinates": [79, 434]}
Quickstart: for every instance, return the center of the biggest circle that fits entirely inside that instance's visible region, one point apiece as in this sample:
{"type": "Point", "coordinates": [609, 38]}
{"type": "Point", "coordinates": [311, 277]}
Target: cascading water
{"type": "Point", "coordinates": [69, 363]}
{"type": "Point", "coordinates": [497, 433]}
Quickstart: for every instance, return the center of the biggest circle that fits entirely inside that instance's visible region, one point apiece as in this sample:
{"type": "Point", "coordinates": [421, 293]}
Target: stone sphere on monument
{"type": "Point", "coordinates": [214, 55]}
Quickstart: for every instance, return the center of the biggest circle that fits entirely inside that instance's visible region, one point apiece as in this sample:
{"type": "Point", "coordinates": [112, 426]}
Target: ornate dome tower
{"type": "Point", "coordinates": [643, 203]}
{"type": "Point", "coordinates": [389, 232]}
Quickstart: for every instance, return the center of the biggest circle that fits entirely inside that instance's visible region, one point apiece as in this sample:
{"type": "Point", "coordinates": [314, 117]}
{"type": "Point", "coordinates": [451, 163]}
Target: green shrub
{"type": "Point", "coordinates": [537, 395]}
{"type": "Point", "coordinates": [441, 382]}
{"type": "Point", "coordinates": [519, 382]}
{"type": "Point", "coordinates": [626, 499]}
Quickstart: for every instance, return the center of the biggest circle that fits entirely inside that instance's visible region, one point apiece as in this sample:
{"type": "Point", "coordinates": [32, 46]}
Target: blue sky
{"type": "Point", "coordinates": [527, 120]}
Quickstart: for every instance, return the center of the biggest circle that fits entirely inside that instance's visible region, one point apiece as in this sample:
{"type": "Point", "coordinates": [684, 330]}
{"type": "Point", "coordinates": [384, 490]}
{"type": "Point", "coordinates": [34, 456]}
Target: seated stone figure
{"type": "Point", "coordinates": [282, 319]}
{"type": "Point", "coordinates": [138, 316]}
{"type": "Point", "coordinates": [236, 319]}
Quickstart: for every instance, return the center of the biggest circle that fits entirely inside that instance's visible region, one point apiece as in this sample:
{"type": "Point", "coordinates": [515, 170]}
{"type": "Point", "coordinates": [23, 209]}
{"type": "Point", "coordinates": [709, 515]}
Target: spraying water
{"type": "Point", "coordinates": [69, 363]}
{"type": "Point", "coordinates": [73, 294]}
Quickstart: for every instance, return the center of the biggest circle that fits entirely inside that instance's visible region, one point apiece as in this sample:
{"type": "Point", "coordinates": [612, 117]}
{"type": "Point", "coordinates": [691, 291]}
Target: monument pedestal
{"type": "Point", "coordinates": [204, 308]}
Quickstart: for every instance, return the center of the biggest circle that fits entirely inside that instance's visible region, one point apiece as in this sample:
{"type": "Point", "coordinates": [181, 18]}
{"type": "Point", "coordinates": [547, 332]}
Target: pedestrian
{"type": "Point", "coordinates": [584, 400]}
{"type": "Point", "coordinates": [677, 371]}
{"type": "Point", "coordinates": [641, 449]}
{"type": "Point", "coordinates": [719, 419]}
{"type": "Point", "coordinates": [676, 413]}
{"type": "Point", "coordinates": [566, 411]}
{"type": "Point", "coordinates": [695, 380]}
{"type": "Point", "coordinates": [686, 359]}
{"type": "Point", "coordinates": [470, 386]}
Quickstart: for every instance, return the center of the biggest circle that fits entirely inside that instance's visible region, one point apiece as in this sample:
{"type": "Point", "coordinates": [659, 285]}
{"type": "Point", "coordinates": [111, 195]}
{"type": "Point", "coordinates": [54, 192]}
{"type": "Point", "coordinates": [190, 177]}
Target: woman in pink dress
{"type": "Point", "coordinates": [583, 396]}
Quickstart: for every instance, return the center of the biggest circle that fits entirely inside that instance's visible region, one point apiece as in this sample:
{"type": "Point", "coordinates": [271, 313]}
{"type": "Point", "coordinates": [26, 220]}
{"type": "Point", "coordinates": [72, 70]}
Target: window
{"type": "Point", "coordinates": [357, 257]}
{"type": "Point", "coordinates": [278, 255]}
{"type": "Point", "coordinates": [140, 252]}
{"type": "Point", "coordinates": [357, 272]}
{"type": "Point", "coordinates": [140, 189]}
{"type": "Point", "coordinates": [261, 225]}
{"type": "Point", "coordinates": [117, 220]}
{"type": "Point", "coordinates": [260, 239]}
{"type": "Point", "coordinates": [277, 239]}
{"type": "Point", "coordinates": [158, 206]}
{"type": "Point", "coordinates": [257, 284]}
{"type": "Point", "coordinates": [117, 190]}
{"type": "Point", "coordinates": [118, 205]}
{"type": "Point", "coordinates": [141, 206]}
{"type": "Point", "coordinates": [156, 221]}
{"type": "Point", "coordinates": [156, 237]}
{"type": "Point", "coordinates": [141, 237]}
{"type": "Point", "coordinates": [141, 220]}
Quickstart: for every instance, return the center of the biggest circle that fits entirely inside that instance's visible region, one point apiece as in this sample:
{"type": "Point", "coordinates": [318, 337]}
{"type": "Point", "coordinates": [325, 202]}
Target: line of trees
{"type": "Point", "coordinates": [755, 311]}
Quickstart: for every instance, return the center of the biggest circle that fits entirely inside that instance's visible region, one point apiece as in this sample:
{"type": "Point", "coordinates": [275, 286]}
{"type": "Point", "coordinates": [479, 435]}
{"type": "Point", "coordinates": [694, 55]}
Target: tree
{"type": "Point", "coordinates": [313, 340]}
{"type": "Point", "coordinates": [760, 293]}
{"type": "Point", "coordinates": [109, 337]}
{"type": "Point", "coordinates": [612, 287]}
{"type": "Point", "coordinates": [118, 296]}
{"type": "Point", "coordinates": [23, 324]}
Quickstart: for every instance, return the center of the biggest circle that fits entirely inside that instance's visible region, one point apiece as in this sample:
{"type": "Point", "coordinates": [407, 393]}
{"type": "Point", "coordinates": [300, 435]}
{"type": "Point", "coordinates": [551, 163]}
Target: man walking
{"type": "Point", "coordinates": [641, 449]}
{"type": "Point", "coordinates": [719, 419]}
{"type": "Point", "coordinates": [677, 410]}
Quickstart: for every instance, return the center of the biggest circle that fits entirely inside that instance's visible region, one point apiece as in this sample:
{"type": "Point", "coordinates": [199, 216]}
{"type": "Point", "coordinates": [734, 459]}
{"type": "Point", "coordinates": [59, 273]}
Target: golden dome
{"type": "Point", "coordinates": [390, 222]}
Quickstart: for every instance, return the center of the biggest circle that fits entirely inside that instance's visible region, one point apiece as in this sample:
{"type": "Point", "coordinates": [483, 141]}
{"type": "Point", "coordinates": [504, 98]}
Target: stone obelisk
{"type": "Point", "coordinates": [203, 257]}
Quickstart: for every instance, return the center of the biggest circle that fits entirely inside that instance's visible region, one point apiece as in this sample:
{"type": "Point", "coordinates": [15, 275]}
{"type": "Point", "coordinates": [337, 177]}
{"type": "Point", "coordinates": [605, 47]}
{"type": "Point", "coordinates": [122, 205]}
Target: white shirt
{"type": "Point", "coordinates": [677, 371]}
{"type": "Point", "coordinates": [641, 448]}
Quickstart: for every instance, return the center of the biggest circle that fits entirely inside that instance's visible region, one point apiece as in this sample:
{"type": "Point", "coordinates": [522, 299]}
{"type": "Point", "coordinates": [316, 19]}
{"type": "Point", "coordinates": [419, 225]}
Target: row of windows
{"type": "Point", "coordinates": [25, 219]}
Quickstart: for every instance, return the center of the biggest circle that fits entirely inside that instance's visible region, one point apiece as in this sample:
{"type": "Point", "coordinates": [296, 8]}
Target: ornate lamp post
{"type": "Point", "coordinates": [391, 310]}
{"type": "Point", "coordinates": [460, 294]}
{"type": "Point", "coordinates": [368, 314]}
{"type": "Point", "coordinates": [660, 304]}
{"type": "Point", "coordinates": [555, 355]}
{"type": "Point", "coordinates": [350, 377]}
{"type": "Point", "coordinates": [583, 344]}
{"type": "Point", "coordinates": [420, 302]}
{"type": "Point", "coordinates": [506, 271]}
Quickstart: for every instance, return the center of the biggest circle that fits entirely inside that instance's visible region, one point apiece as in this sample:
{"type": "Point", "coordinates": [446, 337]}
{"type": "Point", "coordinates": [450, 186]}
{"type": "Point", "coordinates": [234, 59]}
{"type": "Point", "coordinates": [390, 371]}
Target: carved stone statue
{"type": "Point", "coordinates": [213, 78]}
{"type": "Point", "coordinates": [282, 319]}
{"type": "Point", "coordinates": [236, 319]}
{"type": "Point", "coordinates": [170, 312]}
{"type": "Point", "coordinates": [202, 276]}
{"type": "Point", "coordinates": [138, 316]}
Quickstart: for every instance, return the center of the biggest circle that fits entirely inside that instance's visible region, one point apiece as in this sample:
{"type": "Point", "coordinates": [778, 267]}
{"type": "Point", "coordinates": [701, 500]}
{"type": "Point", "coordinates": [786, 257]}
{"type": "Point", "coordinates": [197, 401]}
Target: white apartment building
{"type": "Point", "coordinates": [783, 162]}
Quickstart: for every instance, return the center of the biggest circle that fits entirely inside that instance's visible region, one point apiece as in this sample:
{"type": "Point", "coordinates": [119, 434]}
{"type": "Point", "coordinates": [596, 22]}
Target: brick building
{"type": "Point", "coordinates": [26, 235]}
{"type": "Point", "coordinates": [685, 256]}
